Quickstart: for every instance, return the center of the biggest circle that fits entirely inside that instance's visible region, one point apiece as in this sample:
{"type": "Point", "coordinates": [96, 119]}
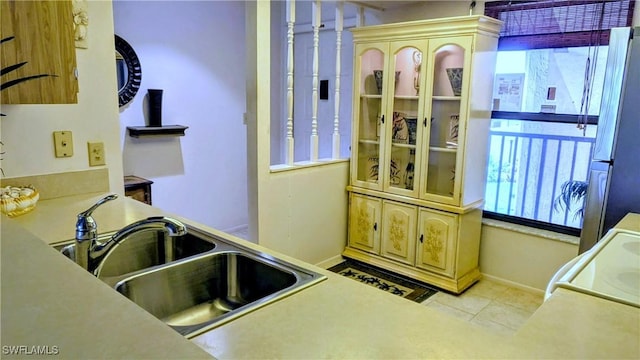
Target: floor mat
{"type": "Point", "coordinates": [384, 280]}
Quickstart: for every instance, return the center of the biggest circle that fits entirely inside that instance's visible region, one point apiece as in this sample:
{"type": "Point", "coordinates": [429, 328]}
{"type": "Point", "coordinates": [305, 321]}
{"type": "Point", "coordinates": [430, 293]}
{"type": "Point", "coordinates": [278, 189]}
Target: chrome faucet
{"type": "Point", "coordinates": [171, 226]}
{"type": "Point", "coordinates": [89, 252]}
{"type": "Point", "coordinates": [87, 232]}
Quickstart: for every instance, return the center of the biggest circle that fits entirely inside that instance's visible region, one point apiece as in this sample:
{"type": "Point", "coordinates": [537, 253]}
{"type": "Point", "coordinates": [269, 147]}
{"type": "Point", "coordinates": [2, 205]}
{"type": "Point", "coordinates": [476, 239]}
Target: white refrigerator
{"type": "Point", "coordinates": [614, 176]}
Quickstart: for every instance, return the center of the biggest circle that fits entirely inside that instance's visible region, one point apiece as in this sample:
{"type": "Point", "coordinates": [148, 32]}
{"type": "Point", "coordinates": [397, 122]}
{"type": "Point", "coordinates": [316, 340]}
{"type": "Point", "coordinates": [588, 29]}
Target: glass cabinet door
{"type": "Point", "coordinates": [368, 115]}
{"type": "Point", "coordinates": [404, 128]}
{"type": "Point", "coordinates": [449, 60]}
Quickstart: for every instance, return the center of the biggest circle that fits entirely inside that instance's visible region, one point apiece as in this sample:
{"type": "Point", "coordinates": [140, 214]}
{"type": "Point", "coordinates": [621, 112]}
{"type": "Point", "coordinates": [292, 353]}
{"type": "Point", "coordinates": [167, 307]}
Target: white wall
{"type": "Point", "coordinates": [421, 10]}
{"type": "Point", "coordinates": [301, 212]}
{"type": "Point", "coordinates": [27, 131]}
{"type": "Point", "coordinates": [195, 52]}
{"type": "Point", "coordinates": [306, 215]}
{"type": "Point", "coordinates": [528, 259]}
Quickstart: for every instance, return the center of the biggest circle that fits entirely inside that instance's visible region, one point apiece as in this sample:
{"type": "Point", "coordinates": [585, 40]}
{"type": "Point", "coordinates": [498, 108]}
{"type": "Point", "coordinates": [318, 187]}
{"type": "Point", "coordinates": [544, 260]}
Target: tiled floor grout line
{"type": "Point", "coordinates": [505, 310]}
{"type": "Point", "coordinates": [496, 322]}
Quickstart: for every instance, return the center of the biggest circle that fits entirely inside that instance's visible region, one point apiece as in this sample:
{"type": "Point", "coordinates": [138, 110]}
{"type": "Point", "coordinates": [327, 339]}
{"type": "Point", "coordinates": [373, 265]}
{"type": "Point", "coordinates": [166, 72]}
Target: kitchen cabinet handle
{"type": "Point", "coordinates": [382, 119]}
{"type": "Point", "coordinates": [421, 238]}
{"type": "Point", "coordinates": [424, 123]}
{"type": "Point", "coordinates": [375, 226]}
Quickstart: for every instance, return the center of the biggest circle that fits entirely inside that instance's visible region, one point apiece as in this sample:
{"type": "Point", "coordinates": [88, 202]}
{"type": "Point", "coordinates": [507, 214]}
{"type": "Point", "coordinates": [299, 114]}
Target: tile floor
{"type": "Point", "coordinates": [490, 305]}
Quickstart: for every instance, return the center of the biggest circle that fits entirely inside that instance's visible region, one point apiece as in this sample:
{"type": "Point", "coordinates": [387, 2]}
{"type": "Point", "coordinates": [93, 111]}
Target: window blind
{"type": "Point", "coordinates": [558, 23]}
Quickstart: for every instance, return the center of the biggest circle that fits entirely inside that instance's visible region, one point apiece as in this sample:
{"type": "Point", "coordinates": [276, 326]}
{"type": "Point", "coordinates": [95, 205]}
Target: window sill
{"type": "Point", "coordinates": [546, 234]}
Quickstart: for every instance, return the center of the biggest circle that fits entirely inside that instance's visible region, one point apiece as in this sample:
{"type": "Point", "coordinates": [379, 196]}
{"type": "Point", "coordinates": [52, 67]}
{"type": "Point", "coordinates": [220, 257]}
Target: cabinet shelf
{"type": "Point", "coordinates": [446, 98]}
{"type": "Point", "coordinates": [452, 150]}
{"type": "Point", "coordinates": [406, 146]}
{"type": "Point", "coordinates": [406, 97]}
{"type": "Point", "coordinates": [366, 141]}
{"type": "Point", "coordinates": [370, 96]}
{"type": "Point", "coordinates": [167, 130]}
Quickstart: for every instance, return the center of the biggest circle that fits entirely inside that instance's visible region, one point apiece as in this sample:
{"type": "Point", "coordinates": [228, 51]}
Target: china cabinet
{"type": "Point", "coordinates": [422, 105]}
{"type": "Point", "coordinates": [39, 34]}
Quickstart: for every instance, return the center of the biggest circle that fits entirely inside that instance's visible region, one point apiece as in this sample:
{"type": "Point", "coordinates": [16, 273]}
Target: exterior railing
{"type": "Point", "coordinates": [526, 172]}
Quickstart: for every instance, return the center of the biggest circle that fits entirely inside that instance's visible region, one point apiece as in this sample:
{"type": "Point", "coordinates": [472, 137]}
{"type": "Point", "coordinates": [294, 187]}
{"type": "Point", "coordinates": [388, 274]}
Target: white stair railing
{"type": "Point", "coordinates": [316, 22]}
{"type": "Point", "coordinates": [316, 26]}
{"type": "Point", "coordinates": [335, 154]}
{"type": "Point", "coordinates": [291, 19]}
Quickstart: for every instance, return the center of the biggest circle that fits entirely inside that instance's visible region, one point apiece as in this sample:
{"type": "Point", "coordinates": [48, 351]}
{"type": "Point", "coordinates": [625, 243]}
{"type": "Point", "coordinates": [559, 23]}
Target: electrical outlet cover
{"type": "Point", "coordinates": [96, 153]}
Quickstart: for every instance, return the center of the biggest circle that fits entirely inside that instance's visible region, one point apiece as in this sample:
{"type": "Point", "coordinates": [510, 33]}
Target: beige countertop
{"type": "Point", "coordinates": [54, 220]}
{"type": "Point", "coordinates": [48, 300]}
{"type": "Point", "coordinates": [630, 222]}
{"type": "Point", "coordinates": [575, 325]}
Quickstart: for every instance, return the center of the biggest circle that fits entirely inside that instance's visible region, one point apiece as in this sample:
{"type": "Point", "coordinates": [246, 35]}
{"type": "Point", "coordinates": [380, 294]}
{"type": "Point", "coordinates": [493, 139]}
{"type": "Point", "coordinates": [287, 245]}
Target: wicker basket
{"type": "Point", "coordinates": [15, 201]}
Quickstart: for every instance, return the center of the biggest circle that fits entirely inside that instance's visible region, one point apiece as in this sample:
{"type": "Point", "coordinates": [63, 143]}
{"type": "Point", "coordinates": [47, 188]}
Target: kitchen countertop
{"type": "Point", "coordinates": [575, 325]}
{"type": "Point", "coordinates": [49, 301]}
{"type": "Point", "coordinates": [630, 222]}
{"type": "Point", "coordinates": [336, 318]}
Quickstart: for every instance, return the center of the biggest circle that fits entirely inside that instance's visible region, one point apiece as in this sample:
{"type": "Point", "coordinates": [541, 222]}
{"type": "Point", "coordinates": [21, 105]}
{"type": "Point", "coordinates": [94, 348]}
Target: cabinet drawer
{"type": "Point", "coordinates": [138, 188]}
{"type": "Point", "coordinates": [138, 194]}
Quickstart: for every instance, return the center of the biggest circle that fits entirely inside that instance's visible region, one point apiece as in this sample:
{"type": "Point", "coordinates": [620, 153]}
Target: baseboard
{"type": "Point", "coordinates": [513, 284]}
{"type": "Point", "coordinates": [333, 261]}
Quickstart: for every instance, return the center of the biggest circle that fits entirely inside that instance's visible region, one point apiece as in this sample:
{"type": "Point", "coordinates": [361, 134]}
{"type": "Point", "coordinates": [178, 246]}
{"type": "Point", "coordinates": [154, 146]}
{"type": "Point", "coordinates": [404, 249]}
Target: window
{"type": "Point", "coordinates": [536, 145]}
{"type": "Point", "coordinates": [543, 125]}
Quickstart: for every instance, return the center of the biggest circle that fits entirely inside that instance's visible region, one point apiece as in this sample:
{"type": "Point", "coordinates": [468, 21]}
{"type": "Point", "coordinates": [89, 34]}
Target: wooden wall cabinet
{"type": "Point", "coordinates": [44, 38]}
{"type": "Point", "coordinates": [422, 106]}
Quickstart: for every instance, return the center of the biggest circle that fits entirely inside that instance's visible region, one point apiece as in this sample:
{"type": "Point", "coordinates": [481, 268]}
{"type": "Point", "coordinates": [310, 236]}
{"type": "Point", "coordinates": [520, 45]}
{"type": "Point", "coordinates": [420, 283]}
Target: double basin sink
{"type": "Point", "coordinates": [197, 281]}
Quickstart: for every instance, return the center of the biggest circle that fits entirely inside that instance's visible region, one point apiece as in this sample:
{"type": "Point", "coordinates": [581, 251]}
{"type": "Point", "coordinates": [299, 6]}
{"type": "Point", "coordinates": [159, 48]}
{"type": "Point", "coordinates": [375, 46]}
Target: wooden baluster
{"type": "Point", "coordinates": [291, 19]}
{"type": "Point", "coordinates": [316, 8]}
{"type": "Point", "coordinates": [336, 118]}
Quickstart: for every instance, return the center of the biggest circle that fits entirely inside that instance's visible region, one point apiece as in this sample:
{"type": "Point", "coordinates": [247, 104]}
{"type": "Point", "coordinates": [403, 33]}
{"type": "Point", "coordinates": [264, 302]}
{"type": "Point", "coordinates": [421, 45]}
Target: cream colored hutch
{"type": "Point", "coordinates": [422, 106]}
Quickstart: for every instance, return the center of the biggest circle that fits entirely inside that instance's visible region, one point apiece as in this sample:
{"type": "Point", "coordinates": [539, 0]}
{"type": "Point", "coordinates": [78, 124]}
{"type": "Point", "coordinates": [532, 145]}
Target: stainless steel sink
{"type": "Point", "coordinates": [200, 293]}
{"type": "Point", "coordinates": [197, 281]}
{"type": "Point", "coordinates": [143, 250]}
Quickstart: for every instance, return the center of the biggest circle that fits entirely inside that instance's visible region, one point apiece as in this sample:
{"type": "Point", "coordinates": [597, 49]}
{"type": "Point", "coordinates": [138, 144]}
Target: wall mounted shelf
{"type": "Point", "coordinates": [167, 130]}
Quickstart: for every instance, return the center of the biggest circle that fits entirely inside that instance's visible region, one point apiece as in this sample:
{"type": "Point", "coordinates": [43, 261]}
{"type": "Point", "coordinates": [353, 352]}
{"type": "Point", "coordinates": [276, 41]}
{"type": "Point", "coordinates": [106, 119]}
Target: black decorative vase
{"type": "Point", "coordinates": [155, 107]}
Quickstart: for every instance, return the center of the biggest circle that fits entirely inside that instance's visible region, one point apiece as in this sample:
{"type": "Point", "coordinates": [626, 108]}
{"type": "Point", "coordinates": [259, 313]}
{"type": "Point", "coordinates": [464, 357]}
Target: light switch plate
{"type": "Point", "coordinates": [63, 143]}
{"type": "Point", "coordinates": [96, 153]}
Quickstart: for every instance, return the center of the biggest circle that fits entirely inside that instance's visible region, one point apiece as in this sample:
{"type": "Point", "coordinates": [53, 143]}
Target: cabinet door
{"type": "Point", "coordinates": [364, 223]}
{"type": "Point", "coordinates": [437, 240]}
{"type": "Point", "coordinates": [43, 37]}
{"type": "Point", "coordinates": [405, 112]}
{"type": "Point", "coordinates": [399, 231]}
{"type": "Point", "coordinates": [449, 67]}
{"type": "Point", "coordinates": [368, 111]}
